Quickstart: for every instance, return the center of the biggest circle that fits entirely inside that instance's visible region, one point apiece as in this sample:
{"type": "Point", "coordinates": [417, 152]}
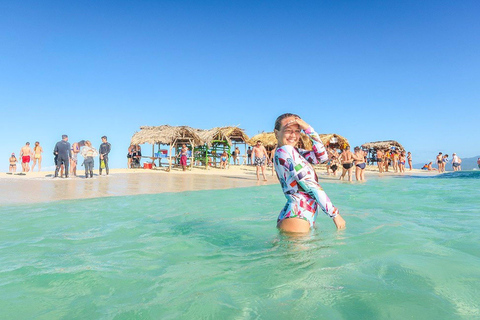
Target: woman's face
{"type": "Point", "coordinates": [289, 133]}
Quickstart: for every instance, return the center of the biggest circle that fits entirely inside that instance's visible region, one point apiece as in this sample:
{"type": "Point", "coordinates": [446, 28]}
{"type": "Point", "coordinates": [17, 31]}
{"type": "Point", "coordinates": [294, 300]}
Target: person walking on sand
{"type": "Point", "coordinates": [261, 157]}
{"type": "Point", "coordinates": [409, 159]}
{"type": "Point", "coordinates": [13, 163]}
{"type": "Point", "coordinates": [62, 152]}
{"type": "Point", "coordinates": [347, 163]}
{"type": "Point", "coordinates": [359, 158]}
{"type": "Point", "coordinates": [37, 156]}
{"type": "Point", "coordinates": [25, 155]}
{"type": "Point", "coordinates": [89, 153]}
{"type": "Point", "coordinates": [104, 150]}
{"type": "Point", "coordinates": [298, 179]}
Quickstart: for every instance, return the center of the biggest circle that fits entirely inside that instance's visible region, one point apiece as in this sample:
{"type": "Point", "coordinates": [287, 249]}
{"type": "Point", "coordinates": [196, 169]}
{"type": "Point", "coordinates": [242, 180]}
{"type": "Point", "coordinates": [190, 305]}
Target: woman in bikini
{"type": "Point", "coordinates": [409, 159]}
{"type": "Point", "coordinates": [401, 162]}
{"type": "Point", "coordinates": [359, 157]}
{"type": "Point", "coordinates": [37, 156]}
{"type": "Point", "coordinates": [13, 163]}
{"type": "Point", "coordinates": [298, 179]}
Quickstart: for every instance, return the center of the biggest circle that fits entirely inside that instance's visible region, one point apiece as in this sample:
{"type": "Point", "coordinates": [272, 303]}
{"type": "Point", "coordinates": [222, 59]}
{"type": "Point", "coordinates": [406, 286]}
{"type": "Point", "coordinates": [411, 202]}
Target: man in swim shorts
{"type": "Point", "coordinates": [347, 163]}
{"type": "Point", "coordinates": [440, 162]}
{"type": "Point", "coordinates": [260, 154]}
{"type": "Point", "coordinates": [62, 153]}
{"type": "Point", "coordinates": [25, 154]}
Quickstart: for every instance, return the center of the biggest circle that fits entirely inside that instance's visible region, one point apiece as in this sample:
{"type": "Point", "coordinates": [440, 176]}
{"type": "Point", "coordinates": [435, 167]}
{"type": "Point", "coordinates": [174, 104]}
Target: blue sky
{"type": "Point", "coordinates": [372, 70]}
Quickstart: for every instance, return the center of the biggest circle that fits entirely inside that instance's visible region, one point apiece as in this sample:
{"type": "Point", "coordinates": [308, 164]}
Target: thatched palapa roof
{"type": "Point", "coordinates": [383, 145]}
{"type": "Point", "coordinates": [228, 134]}
{"type": "Point", "coordinates": [269, 140]}
{"type": "Point", "coordinates": [335, 141]}
{"type": "Point", "coordinates": [166, 135]}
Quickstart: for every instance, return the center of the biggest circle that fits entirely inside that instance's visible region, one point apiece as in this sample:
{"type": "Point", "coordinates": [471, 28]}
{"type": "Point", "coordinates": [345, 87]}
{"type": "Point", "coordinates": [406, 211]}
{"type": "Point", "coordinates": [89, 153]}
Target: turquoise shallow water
{"type": "Point", "coordinates": [411, 250]}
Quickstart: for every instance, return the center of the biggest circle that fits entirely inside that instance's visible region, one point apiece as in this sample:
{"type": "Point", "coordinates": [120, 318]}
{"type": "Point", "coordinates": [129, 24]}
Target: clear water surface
{"type": "Point", "coordinates": [411, 250]}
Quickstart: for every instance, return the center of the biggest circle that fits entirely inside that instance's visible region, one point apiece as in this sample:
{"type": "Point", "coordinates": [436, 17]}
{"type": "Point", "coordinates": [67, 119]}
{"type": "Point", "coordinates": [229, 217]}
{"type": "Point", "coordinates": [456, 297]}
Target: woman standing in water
{"type": "Point", "coordinates": [298, 178]}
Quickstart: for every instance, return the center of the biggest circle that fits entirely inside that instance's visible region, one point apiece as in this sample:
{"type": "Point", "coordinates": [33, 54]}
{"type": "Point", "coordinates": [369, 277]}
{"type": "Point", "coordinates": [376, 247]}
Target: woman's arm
{"type": "Point", "coordinates": [297, 171]}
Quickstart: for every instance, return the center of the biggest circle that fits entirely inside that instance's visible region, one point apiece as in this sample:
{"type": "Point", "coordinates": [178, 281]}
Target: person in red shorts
{"type": "Point", "coordinates": [25, 155]}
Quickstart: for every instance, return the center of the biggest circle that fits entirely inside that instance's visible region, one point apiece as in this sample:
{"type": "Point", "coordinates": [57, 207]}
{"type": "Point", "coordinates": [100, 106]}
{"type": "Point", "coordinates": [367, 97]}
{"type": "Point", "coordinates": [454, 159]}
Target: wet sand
{"type": "Point", "coordinates": [42, 187]}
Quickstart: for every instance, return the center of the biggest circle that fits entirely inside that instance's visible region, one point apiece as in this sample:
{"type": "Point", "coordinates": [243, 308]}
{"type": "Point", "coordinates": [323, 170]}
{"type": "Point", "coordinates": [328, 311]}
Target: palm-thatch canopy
{"type": "Point", "coordinates": [388, 144]}
{"type": "Point", "coordinates": [227, 134]}
{"type": "Point", "coordinates": [335, 141]}
{"type": "Point", "coordinates": [269, 140]}
{"type": "Point", "coordinates": [166, 134]}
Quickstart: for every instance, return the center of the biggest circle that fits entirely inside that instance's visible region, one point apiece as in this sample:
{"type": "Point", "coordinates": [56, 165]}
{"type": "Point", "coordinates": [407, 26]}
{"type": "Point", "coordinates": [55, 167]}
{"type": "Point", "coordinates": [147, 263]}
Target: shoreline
{"type": "Point", "coordinates": [38, 187]}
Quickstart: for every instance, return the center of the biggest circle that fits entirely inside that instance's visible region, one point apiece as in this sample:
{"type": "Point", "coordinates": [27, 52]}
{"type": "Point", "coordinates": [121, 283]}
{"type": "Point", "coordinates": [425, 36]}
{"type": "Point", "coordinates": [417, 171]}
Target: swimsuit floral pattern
{"type": "Point", "coordinates": [300, 182]}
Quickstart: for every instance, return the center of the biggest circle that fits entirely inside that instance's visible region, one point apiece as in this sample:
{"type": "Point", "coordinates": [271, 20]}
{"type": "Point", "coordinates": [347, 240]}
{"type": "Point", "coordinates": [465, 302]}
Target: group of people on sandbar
{"type": "Point", "coordinates": [27, 155]}
{"type": "Point", "coordinates": [442, 160]}
{"type": "Point", "coordinates": [65, 157]}
{"type": "Point", "coordinates": [348, 160]}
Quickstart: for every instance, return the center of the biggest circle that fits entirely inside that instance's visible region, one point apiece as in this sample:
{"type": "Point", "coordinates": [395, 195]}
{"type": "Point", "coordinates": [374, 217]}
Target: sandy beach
{"type": "Point", "coordinates": [42, 187]}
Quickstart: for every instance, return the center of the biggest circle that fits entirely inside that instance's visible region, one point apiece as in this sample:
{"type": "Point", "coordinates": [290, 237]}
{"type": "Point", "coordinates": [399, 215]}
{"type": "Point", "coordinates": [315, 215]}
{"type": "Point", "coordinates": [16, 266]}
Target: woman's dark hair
{"type": "Point", "coordinates": [278, 122]}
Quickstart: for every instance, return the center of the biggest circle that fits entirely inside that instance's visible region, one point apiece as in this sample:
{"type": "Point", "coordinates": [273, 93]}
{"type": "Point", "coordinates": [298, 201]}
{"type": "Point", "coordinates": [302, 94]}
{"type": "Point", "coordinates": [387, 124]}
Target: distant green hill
{"type": "Point", "coordinates": [467, 164]}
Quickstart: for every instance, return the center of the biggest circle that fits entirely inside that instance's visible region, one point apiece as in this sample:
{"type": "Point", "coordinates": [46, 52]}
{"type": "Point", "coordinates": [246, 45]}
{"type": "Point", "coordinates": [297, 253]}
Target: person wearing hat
{"type": "Point", "coordinates": [62, 153]}
{"type": "Point", "coordinates": [104, 150]}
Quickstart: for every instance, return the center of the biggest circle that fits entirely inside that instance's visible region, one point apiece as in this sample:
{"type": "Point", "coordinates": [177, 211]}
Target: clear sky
{"type": "Point", "coordinates": [367, 70]}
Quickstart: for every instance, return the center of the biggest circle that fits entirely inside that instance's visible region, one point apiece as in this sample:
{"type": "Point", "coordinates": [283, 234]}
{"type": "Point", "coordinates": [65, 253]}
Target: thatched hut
{"type": "Point", "coordinates": [335, 141]}
{"type": "Point", "coordinates": [217, 140]}
{"type": "Point", "coordinates": [269, 141]}
{"type": "Point", "coordinates": [372, 147]}
{"type": "Point", "coordinates": [167, 135]}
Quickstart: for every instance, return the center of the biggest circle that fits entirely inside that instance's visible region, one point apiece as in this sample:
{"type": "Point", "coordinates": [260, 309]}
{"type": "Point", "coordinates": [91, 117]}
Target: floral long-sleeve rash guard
{"type": "Point", "coordinates": [300, 182]}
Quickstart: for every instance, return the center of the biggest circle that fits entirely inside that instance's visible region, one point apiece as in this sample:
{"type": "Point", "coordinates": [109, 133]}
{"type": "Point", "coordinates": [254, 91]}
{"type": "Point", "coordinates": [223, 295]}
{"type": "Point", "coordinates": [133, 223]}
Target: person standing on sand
{"type": "Point", "coordinates": [347, 163]}
{"type": "Point", "coordinates": [74, 158]}
{"type": "Point", "coordinates": [104, 150]}
{"type": "Point", "coordinates": [13, 163]}
{"type": "Point", "coordinates": [401, 162]}
{"type": "Point", "coordinates": [89, 153]}
{"type": "Point", "coordinates": [249, 156]}
{"type": "Point", "coordinates": [380, 160]}
{"type": "Point", "coordinates": [183, 157]}
{"type": "Point", "coordinates": [236, 156]}
{"type": "Point", "coordinates": [386, 159]}
{"type": "Point", "coordinates": [456, 162]}
{"type": "Point", "coordinates": [439, 161]}
{"type": "Point", "coordinates": [37, 156]}
{"type": "Point", "coordinates": [409, 158]}
{"type": "Point", "coordinates": [25, 155]}
{"type": "Point", "coordinates": [359, 158]}
{"type": "Point", "coordinates": [62, 152]}
{"type": "Point", "coordinates": [261, 157]}
{"type": "Point", "coordinates": [298, 179]}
